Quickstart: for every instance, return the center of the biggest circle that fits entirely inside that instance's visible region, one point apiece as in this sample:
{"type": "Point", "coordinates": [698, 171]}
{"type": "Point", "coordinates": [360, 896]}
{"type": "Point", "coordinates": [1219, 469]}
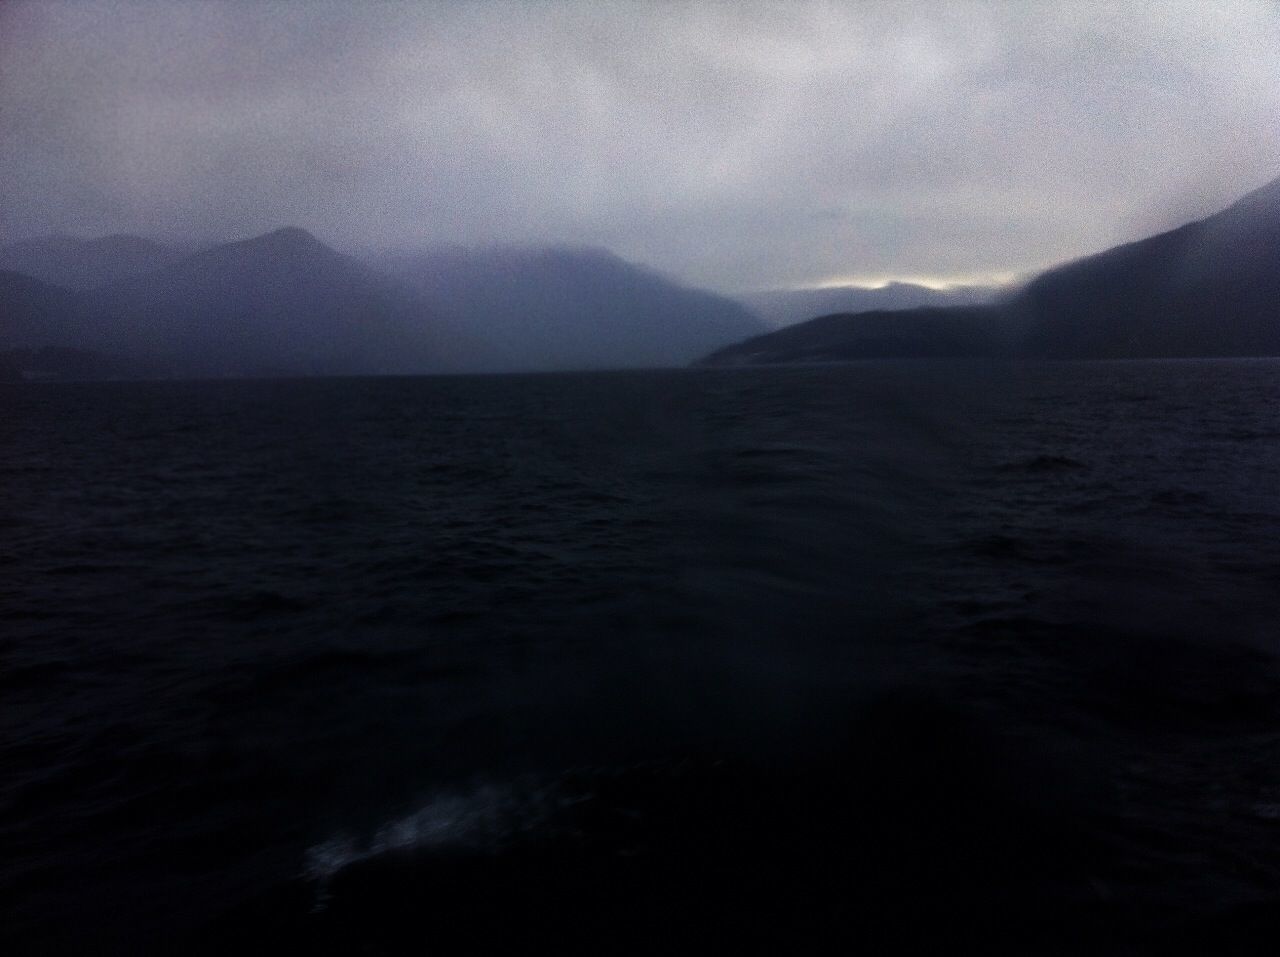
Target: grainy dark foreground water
{"type": "Point", "coordinates": [866, 658]}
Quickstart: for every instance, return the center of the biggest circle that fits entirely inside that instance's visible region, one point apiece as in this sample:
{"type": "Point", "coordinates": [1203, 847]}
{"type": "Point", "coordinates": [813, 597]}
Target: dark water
{"type": "Point", "coordinates": [876, 657]}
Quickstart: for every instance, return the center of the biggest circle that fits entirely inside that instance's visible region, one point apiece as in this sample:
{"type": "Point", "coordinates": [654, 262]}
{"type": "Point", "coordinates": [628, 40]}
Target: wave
{"type": "Point", "coordinates": [483, 818]}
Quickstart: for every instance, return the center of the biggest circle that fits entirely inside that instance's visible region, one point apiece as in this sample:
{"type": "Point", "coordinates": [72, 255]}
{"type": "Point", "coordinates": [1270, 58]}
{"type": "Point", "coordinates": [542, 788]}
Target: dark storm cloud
{"type": "Point", "coordinates": [735, 145]}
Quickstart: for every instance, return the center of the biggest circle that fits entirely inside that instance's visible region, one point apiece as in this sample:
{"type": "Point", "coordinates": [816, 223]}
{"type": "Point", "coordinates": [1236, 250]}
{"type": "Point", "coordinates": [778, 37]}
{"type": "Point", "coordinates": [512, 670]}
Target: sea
{"type": "Point", "coordinates": [886, 657]}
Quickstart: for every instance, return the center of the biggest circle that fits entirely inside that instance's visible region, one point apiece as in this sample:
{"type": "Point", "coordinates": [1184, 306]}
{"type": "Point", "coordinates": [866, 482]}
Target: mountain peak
{"type": "Point", "coordinates": [288, 236]}
{"type": "Point", "coordinates": [283, 245]}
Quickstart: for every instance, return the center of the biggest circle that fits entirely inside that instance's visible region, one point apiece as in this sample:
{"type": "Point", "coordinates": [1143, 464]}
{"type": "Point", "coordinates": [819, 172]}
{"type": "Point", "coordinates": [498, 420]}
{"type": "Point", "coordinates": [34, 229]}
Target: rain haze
{"type": "Point", "coordinates": [735, 146]}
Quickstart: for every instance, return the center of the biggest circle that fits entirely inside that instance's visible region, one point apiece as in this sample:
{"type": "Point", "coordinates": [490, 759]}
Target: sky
{"type": "Point", "coordinates": [737, 146]}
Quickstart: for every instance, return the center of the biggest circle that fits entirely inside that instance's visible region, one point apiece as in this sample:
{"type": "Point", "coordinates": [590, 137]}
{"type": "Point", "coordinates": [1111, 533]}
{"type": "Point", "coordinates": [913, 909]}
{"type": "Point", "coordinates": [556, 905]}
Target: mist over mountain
{"type": "Point", "coordinates": [43, 328]}
{"type": "Point", "coordinates": [783, 307]}
{"type": "Point", "coordinates": [86, 263]}
{"type": "Point", "coordinates": [547, 308]}
{"type": "Point", "coordinates": [283, 303]}
{"type": "Point", "coordinates": [37, 313]}
{"type": "Point", "coordinates": [1209, 288]}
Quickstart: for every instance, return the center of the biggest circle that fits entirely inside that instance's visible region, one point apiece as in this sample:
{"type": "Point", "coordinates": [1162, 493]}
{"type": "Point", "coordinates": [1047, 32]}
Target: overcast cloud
{"type": "Point", "coordinates": [735, 145]}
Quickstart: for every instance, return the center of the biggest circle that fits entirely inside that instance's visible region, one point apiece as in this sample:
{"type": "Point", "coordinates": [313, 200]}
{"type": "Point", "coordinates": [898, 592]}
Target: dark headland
{"type": "Point", "coordinates": [1209, 288]}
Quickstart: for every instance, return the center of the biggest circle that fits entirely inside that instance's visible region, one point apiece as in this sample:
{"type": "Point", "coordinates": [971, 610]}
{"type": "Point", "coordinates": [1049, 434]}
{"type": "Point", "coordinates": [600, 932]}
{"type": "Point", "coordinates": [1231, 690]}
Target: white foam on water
{"type": "Point", "coordinates": [482, 818]}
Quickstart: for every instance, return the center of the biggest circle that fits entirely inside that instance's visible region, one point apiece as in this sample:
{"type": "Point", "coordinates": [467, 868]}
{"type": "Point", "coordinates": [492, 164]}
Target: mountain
{"type": "Point", "coordinates": [562, 308]}
{"type": "Point", "coordinates": [38, 313]}
{"type": "Point", "coordinates": [281, 303]}
{"type": "Point", "coordinates": [42, 330]}
{"type": "Point", "coordinates": [285, 303]}
{"type": "Point", "coordinates": [86, 263]}
{"type": "Point", "coordinates": [1209, 288]}
{"type": "Point", "coordinates": [956, 332]}
{"type": "Point", "coordinates": [783, 307]}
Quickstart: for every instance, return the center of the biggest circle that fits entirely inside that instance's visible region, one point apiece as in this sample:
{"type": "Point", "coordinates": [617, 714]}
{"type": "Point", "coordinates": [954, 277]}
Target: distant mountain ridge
{"type": "Point", "coordinates": [37, 313]}
{"type": "Point", "coordinates": [284, 303]}
{"type": "Point", "coordinates": [784, 307]}
{"type": "Point", "coordinates": [574, 308]}
{"type": "Point", "coordinates": [1209, 288]}
{"type": "Point", "coordinates": [86, 263]}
